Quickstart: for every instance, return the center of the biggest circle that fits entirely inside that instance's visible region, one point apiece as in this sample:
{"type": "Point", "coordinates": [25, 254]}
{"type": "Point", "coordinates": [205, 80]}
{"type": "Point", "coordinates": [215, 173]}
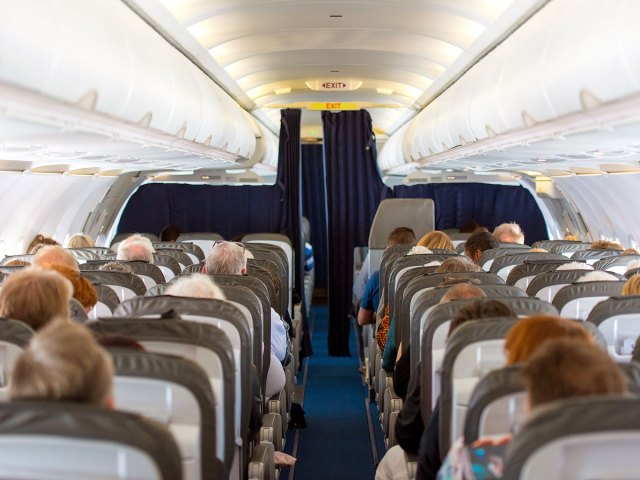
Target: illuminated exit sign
{"type": "Point", "coordinates": [333, 106]}
{"type": "Point", "coordinates": [334, 85]}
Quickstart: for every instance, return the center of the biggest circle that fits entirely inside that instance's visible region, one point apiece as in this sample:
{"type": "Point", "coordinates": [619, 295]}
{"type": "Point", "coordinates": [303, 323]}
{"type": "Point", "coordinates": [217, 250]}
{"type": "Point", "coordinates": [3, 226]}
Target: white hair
{"type": "Point", "coordinates": [131, 251]}
{"type": "Point", "coordinates": [598, 276]}
{"type": "Point", "coordinates": [226, 258]}
{"type": "Point", "coordinates": [509, 232]}
{"type": "Point", "coordinates": [575, 266]}
{"type": "Point", "coordinates": [197, 285]}
{"type": "Point", "coordinates": [137, 238]}
{"type": "Point", "coordinates": [419, 250]}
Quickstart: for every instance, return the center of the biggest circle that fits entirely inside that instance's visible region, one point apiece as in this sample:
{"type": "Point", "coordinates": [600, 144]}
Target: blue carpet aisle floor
{"type": "Point", "coordinates": [336, 443]}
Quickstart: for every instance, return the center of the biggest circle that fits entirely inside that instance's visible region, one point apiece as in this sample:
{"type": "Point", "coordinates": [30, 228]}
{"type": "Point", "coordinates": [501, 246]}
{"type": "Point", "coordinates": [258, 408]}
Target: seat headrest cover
{"type": "Point", "coordinates": [587, 289]}
{"type": "Point", "coordinates": [555, 277]}
{"type": "Point", "coordinates": [417, 214]}
{"type": "Point", "coordinates": [614, 306]}
{"type": "Point", "coordinates": [16, 332]}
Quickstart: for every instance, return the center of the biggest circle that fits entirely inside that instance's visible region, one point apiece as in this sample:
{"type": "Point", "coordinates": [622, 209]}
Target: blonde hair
{"type": "Point", "coordinates": [632, 287]}
{"type": "Point", "coordinates": [35, 297]}
{"type": "Point", "coordinates": [436, 239]}
{"type": "Point", "coordinates": [55, 255]}
{"type": "Point", "coordinates": [197, 285]}
{"type": "Point", "coordinates": [606, 245]}
{"type": "Point", "coordinates": [80, 240]}
{"type": "Point", "coordinates": [630, 251]}
{"type": "Point", "coordinates": [509, 232]}
{"type": "Point", "coordinates": [63, 362]}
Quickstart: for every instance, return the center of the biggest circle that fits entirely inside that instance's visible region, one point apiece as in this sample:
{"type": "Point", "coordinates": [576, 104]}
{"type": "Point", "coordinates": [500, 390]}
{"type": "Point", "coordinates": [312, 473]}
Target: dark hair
{"type": "Point", "coordinates": [478, 309]}
{"type": "Point", "coordinates": [480, 241]}
{"type": "Point", "coordinates": [469, 226]}
{"type": "Point", "coordinates": [170, 233]}
{"type": "Point", "coordinates": [40, 241]}
{"type": "Point", "coordinates": [401, 235]}
{"type": "Point", "coordinates": [566, 367]}
{"type": "Point", "coordinates": [118, 341]}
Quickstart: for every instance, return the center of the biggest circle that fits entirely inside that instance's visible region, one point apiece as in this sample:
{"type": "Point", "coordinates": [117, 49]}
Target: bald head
{"type": "Point", "coordinates": [462, 291]}
{"type": "Point", "coordinates": [54, 255]}
{"type": "Point", "coordinates": [226, 258]}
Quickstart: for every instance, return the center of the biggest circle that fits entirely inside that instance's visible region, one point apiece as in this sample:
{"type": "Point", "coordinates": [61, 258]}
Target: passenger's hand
{"type": "Point", "coordinates": [491, 441]}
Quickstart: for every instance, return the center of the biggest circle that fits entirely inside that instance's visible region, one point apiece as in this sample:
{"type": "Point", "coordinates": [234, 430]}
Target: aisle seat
{"type": "Point", "coordinates": [204, 240]}
{"type": "Point", "coordinates": [125, 285]}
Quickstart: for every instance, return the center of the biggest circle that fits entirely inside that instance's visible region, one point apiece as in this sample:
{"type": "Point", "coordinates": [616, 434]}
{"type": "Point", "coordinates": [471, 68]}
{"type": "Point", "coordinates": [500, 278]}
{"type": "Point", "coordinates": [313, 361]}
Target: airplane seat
{"type": "Point", "coordinates": [631, 272]}
{"type": "Point", "coordinates": [149, 273]}
{"type": "Point", "coordinates": [617, 264]}
{"type": "Point", "coordinates": [267, 271]}
{"type": "Point", "coordinates": [53, 440]}
{"type": "Point", "coordinates": [107, 302]}
{"type": "Point", "coordinates": [473, 350]}
{"type": "Point", "coordinates": [194, 252]}
{"type": "Point", "coordinates": [521, 275]}
{"type": "Point", "coordinates": [195, 268]}
{"type": "Point", "coordinates": [104, 253]}
{"type": "Point", "coordinates": [121, 236]}
{"type": "Point", "coordinates": [204, 240]}
{"type": "Point", "coordinates": [503, 265]}
{"type": "Point", "coordinates": [202, 343]}
{"type": "Point", "coordinates": [415, 213]}
{"type": "Point", "coordinates": [592, 256]}
{"type": "Point", "coordinates": [567, 248]}
{"type": "Point", "coordinates": [488, 256]}
{"type": "Point", "coordinates": [183, 258]}
{"type": "Point", "coordinates": [25, 257]}
{"type": "Point", "coordinates": [549, 244]}
{"type": "Point", "coordinates": [618, 318]}
{"type": "Point", "coordinates": [578, 299]}
{"type": "Point", "coordinates": [125, 285]}
{"type": "Point", "coordinates": [169, 266]}
{"type": "Point", "coordinates": [14, 337]}
{"type": "Point", "coordinates": [82, 255]}
{"type": "Point", "coordinates": [176, 393]}
{"type": "Point", "coordinates": [546, 285]}
{"type": "Point", "coordinates": [592, 437]}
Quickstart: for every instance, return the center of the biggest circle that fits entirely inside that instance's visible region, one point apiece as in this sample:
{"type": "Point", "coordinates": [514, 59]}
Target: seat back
{"type": "Point", "coordinates": [125, 285]}
{"type": "Point", "coordinates": [194, 252]}
{"type": "Point", "coordinates": [577, 300]}
{"type": "Point", "coordinates": [169, 266]}
{"type": "Point", "coordinates": [546, 285]}
{"type": "Point", "coordinates": [26, 258]}
{"type": "Point", "coordinates": [521, 275]}
{"type": "Point", "coordinates": [53, 440]}
{"type": "Point", "coordinates": [591, 437]}
{"type": "Point", "coordinates": [488, 256]}
{"type": "Point", "coordinates": [14, 337]}
{"type": "Point", "coordinates": [503, 265]}
{"type": "Point", "coordinates": [415, 213]}
{"type": "Point", "coordinates": [202, 343]}
{"type": "Point", "coordinates": [618, 318]}
{"type": "Point", "coordinates": [567, 248]}
{"type": "Point", "coordinates": [176, 392]}
{"type": "Point", "coordinates": [430, 351]}
{"type": "Point", "coordinates": [204, 240]}
{"type": "Point", "coordinates": [474, 349]}
{"type": "Point", "coordinates": [617, 264]}
{"type": "Point", "coordinates": [223, 315]}
{"type": "Point", "coordinates": [268, 273]}
{"type": "Point", "coordinates": [82, 254]}
{"type": "Point", "coordinates": [107, 302]}
{"type": "Point", "coordinates": [591, 256]}
{"type": "Point", "coordinates": [550, 244]}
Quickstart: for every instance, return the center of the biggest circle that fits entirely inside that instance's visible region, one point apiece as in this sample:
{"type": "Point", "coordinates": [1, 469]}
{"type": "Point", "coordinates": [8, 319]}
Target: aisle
{"type": "Point", "coordinates": [335, 444]}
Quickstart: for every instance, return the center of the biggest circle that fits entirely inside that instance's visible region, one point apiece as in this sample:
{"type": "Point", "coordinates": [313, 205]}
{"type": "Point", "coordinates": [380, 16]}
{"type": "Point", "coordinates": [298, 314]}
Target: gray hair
{"type": "Point", "coordinates": [598, 276]}
{"type": "Point", "coordinates": [131, 251]}
{"type": "Point", "coordinates": [226, 258]}
{"type": "Point", "coordinates": [509, 232]}
{"type": "Point", "coordinates": [196, 286]}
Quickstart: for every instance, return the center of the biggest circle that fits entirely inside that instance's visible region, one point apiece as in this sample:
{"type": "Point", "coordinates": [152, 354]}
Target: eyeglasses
{"type": "Point", "coordinates": [239, 244]}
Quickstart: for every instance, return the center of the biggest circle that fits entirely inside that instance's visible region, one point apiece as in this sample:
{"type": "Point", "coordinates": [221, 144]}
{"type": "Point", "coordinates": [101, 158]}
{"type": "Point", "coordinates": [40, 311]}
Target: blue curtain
{"type": "Point", "coordinates": [354, 190]}
{"type": "Point", "coordinates": [487, 204]}
{"type": "Point", "coordinates": [314, 208]}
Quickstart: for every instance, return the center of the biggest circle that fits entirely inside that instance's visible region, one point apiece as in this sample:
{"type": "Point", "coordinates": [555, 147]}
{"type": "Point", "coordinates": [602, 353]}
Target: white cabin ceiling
{"type": "Point", "coordinates": [403, 52]}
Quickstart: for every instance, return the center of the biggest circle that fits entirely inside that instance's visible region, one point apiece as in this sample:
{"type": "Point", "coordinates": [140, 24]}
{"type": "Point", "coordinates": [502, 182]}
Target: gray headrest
{"type": "Point", "coordinates": [517, 258]}
{"type": "Point", "coordinates": [586, 289]}
{"type": "Point", "coordinates": [555, 277]}
{"type": "Point", "coordinates": [493, 253]}
{"type": "Point", "coordinates": [185, 237]}
{"type": "Point", "coordinates": [164, 260]}
{"type": "Point", "coordinates": [177, 254]}
{"type": "Point", "coordinates": [183, 246]}
{"type": "Point", "coordinates": [107, 296]}
{"type": "Point", "coordinates": [15, 332]}
{"type": "Point", "coordinates": [79, 421]}
{"type": "Point", "coordinates": [532, 268]}
{"type": "Point", "coordinates": [567, 419]}
{"type": "Point", "coordinates": [417, 214]}
{"type": "Point", "coordinates": [614, 306]}
{"type": "Point", "coordinates": [619, 261]}
{"type": "Point", "coordinates": [121, 279]}
{"type": "Point", "coordinates": [257, 237]}
{"type": "Point", "coordinates": [83, 254]}
{"type": "Point", "coordinates": [147, 269]}
{"type": "Point", "coordinates": [549, 244]}
{"type": "Point", "coordinates": [567, 246]}
{"type": "Point", "coordinates": [26, 258]}
{"type": "Point", "coordinates": [594, 254]}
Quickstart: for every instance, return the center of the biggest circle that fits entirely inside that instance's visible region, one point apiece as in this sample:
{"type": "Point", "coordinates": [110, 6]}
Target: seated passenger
{"type": "Point", "coordinates": [40, 241]}
{"type": "Point", "coordinates": [63, 362]}
{"type": "Point", "coordinates": [116, 267]}
{"type": "Point", "coordinates": [469, 226]}
{"type": "Point", "coordinates": [606, 245]}
{"type": "Point", "coordinates": [436, 240]}
{"type": "Point", "coordinates": [135, 248]}
{"type": "Point", "coordinates": [632, 287]}
{"type": "Point", "coordinates": [35, 297]}
{"type": "Point", "coordinates": [477, 243]}
{"type": "Point", "coordinates": [83, 290]}
{"type": "Point", "coordinates": [458, 265]}
{"type": "Point", "coordinates": [228, 258]}
{"type": "Point", "coordinates": [630, 251]}
{"type": "Point", "coordinates": [80, 240]}
{"type": "Point", "coordinates": [597, 276]}
{"type": "Point", "coordinates": [170, 233]}
{"type": "Point", "coordinates": [55, 255]}
{"type": "Point", "coordinates": [509, 233]}
{"type": "Point", "coordinates": [197, 285]}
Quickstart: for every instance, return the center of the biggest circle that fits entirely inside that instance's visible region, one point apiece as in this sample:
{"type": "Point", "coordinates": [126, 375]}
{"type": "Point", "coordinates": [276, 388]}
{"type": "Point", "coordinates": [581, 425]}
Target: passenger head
{"type": "Point", "coordinates": [570, 237]}
{"type": "Point", "coordinates": [35, 297]}
{"type": "Point", "coordinates": [436, 239]}
{"type": "Point", "coordinates": [575, 266]}
{"type": "Point", "coordinates": [606, 245]}
{"type": "Point", "coordinates": [597, 276]}
{"type": "Point", "coordinates": [226, 258]}
{"type": "Point", "coordinates": [16, 262]}
{"type": "Point", "coordinates": [481, 308]}
{"type": "Point", "coordinates": [401, 235]}
{"type": "Point", "coordinates": [469, 226]}
{"type": "Point", "coordinates": [458, 265]}
{"type": "Point", "coordinates": [63, 362]}
{"type": "Point", "coordinates": [462, 291]}
{"type": "Point", "coordinates": [526, 336]}
{"type": "Point", "coordinates": [170, 233]}
{"type": "Point", "coordinates": [197, 286]}
{"type": "Point", "coordinates": [40, 241]}
{"type": "Point", "coordinates": [83, 290]}
{"type": "Point", "coordinates": [509, 233]}
{"type": "Point", "coordinates": [632, 287]}
{"type": "Point", "coordinates": [565, 368]}
{"type": "Point", "coordinates": [419, 250]}
{"type": "Point", "coordinates": [116, 267]}
{"type": "Point", "coordinates": [630, 251]}
{"type": "Point", "coordinates": [80, 240]}
{"type": "Point", "coordinates": [135, 251]}
{"type": "Point", "coordinates": [55, 255]}
{"type": "Point", "coordinates": [477, 243]}
{"type": "Point", "coordinates": [538, 250]}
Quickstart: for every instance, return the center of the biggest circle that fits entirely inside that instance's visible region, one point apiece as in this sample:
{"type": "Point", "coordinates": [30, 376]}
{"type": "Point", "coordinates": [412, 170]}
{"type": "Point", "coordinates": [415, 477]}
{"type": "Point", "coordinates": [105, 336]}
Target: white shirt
{"type": "Point", "coordinates": [279, 337]}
